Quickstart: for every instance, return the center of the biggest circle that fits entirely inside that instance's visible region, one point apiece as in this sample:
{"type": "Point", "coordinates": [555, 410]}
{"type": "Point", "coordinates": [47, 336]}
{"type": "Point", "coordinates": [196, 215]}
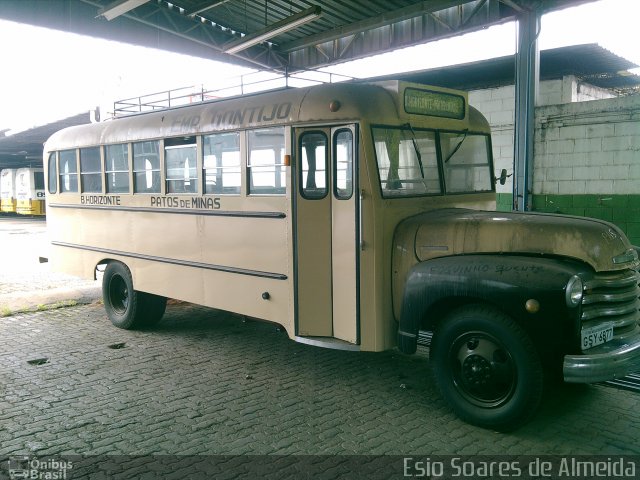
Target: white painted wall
{"type": "Point", "coordinates": [588, 147]}
{"type": "Point", "coordinates": [583, 145]}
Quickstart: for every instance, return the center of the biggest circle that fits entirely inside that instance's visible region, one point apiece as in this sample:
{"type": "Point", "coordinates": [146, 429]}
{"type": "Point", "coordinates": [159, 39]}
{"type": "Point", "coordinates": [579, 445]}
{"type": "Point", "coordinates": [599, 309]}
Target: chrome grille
{"type": "Point", "coordinates": [612, 297]}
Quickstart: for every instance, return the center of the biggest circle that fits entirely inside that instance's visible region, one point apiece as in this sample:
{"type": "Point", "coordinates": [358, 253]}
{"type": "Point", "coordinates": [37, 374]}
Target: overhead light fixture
{"type": "Point", "coordinates": [203, 7]}
{"type": "Point", "coordinates": [271, 31]}
{"type": "Point", "coordinates": [119, 7]}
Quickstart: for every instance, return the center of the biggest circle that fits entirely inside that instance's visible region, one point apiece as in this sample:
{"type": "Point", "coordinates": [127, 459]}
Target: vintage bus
{"type": "Point", "coordinates": [8, 190]}
{"type": "Point", "coordinates": [30, 195]}
{"type": "Point", "coordinates": [355, 215]}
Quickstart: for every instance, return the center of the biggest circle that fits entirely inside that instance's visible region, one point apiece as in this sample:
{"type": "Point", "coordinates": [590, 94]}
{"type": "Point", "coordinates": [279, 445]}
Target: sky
{"type": "Point", "coordinates": [49, 75]}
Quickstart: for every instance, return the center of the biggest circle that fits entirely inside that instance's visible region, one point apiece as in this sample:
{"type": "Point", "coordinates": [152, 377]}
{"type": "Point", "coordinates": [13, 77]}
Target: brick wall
{"type": "Point", "coordinates": [586, 153]}
{"type": "Point", "coordinates": [587, 161]}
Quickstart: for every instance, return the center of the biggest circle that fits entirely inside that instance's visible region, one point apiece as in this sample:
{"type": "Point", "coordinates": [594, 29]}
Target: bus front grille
{"type": "Point", "coordinates": [613, 298]}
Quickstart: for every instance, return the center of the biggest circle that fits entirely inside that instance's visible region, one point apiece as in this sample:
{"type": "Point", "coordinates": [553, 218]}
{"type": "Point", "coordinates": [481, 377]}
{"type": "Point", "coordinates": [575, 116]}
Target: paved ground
{"type": "Point", "coordinates": [25, 283]}
{"type": "Point", "coordinates": [207, 382]}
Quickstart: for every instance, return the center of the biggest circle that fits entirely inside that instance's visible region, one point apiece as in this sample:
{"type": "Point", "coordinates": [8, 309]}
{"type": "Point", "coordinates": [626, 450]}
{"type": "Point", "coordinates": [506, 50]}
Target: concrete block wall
{"type": "Point", "coordinates": [587, 161]}
{"type": "Point", "coordinates": [498, 106]}
{"type": "Point", "coordinates": [586, 153]}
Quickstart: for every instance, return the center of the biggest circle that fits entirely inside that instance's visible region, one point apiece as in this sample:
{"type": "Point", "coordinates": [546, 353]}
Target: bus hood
{"type": "Point", "coordinates": [449, 232]}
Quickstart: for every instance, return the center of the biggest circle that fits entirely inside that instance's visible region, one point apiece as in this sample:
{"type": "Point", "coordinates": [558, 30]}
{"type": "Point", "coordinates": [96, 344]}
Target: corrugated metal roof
{"type": "Point", "coordinates": [250, 16]}
{"type": "Point", "coordinates": [344, 30]}
{"type": "Point", "coordinates": [348, 29]}
{"type": "Point", "coordinates": [589, 62]}
{"type": "Point", "coordinates": [24, 148]}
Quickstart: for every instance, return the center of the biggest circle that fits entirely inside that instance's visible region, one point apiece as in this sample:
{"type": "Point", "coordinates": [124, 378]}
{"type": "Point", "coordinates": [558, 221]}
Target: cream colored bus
{"type": "Point", "coordinates": [354, 215]}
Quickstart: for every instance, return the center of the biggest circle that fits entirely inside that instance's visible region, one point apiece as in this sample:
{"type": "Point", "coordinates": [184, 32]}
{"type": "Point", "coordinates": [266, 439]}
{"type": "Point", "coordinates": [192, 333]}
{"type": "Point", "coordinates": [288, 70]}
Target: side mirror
{"type": "Point", "coordinates": [503, 176]}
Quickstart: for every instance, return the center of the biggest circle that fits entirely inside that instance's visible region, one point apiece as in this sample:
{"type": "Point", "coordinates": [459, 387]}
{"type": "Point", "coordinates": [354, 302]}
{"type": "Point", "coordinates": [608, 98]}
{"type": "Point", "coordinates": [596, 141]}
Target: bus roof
{"type": "Point", "coordinates": [389, 102]}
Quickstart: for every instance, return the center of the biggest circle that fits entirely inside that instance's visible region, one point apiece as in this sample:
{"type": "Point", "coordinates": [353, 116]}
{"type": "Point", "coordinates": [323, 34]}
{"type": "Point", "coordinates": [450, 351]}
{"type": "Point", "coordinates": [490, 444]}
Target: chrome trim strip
{"type": "Point", "coordinates": [174, 261]}
{"type": "Point", "coordinates": [180, 211]}
{"type": "Point", "coordinates": [407, 334]}
{"type": "Point", "coordinates": [626, 296]}
{"type": "Point", "coordinates": [616, 280]}
{"type": "Point", "coordinates": [589, 313]}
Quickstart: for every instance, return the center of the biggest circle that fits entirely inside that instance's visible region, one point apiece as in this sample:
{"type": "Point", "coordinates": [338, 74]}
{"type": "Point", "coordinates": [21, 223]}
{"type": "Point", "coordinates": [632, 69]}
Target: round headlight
{"type": "Point", "coordinates": [573, 291]}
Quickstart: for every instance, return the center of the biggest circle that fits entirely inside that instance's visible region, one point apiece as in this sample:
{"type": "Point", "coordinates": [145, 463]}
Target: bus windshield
{"type": "Point", "coordinates": [408, 161]}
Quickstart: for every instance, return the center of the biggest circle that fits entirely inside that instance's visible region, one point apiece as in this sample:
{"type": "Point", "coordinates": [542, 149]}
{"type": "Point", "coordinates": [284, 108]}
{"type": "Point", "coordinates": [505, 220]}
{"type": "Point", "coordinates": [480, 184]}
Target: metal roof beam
{"type": "Point", "coordinates": [373, 22]}
{"type": "Point", "coordinates": [119, 7]}
{"type": "Point", "coordinates": [204, 6]}
{"type": "Point", "coordinates": [514, 5]}
{"type": "Point", "coordinates": [195, 27]}
{"type": "Point", "coordinates": [417, 24]}
{"type": "Point", "coordinates": [271, 31]}
{"type": "Point", "coordinates": [194, 30]}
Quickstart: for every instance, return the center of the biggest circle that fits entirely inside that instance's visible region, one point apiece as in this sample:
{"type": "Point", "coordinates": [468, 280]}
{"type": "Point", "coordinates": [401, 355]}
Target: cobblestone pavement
{"type": "Point", "coordinates": [205, 382]}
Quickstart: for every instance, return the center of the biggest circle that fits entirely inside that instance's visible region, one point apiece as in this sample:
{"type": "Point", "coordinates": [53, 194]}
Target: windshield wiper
{"type": "Point", "coordinates": [453, 152]}
{"type": "Point", "coordinates": [415, 146]}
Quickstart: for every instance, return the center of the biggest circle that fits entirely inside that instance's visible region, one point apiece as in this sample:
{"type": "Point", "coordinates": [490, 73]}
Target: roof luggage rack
{"type": "Point", "coordinates": [231, 87]}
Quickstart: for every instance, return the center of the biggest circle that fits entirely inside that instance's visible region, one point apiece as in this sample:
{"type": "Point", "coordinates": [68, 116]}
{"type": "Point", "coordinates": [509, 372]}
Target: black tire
{"type": "Point", "coordinates": [487, 368]}
{"type": "Point", "coordinates": [127, 308]}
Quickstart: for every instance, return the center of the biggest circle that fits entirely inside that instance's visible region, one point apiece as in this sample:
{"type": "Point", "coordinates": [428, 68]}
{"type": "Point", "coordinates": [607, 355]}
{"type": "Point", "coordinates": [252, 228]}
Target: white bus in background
{"type": "Point", "coordinates": [8, 190]}
{"type": "Point", "coordinates": [30, 195]}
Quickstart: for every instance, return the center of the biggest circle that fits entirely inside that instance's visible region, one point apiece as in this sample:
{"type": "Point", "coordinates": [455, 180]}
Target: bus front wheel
{"type": "Point", "coordinates": [487, 368]}
{"type": "Point", "coordinates": [128, 308]}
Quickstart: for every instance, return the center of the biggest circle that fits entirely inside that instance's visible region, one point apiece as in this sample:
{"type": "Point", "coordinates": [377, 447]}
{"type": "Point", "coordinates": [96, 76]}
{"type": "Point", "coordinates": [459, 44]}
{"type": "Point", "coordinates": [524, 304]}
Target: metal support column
{"type": "Point", "coordinates": [527, 79]}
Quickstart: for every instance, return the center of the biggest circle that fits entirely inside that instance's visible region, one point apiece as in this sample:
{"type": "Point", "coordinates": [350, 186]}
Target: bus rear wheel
{"type": "Point", "coordinates": [487, 368]}
{"type": "Point", "coordinates": [128, 308]}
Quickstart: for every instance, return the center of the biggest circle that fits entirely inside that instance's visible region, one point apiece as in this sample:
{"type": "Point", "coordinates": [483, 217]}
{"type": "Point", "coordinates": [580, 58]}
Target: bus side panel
{"type": "Point", "coordinates": [263, 298]}
{"type": "Point", "coordinates": [221, 290]}
{"type": "Point", "coordinates": [79, 263]}
{"type": "Point", "coordinates": [258, 246]}
{"type": "Point", "coordinates": [232, 262]}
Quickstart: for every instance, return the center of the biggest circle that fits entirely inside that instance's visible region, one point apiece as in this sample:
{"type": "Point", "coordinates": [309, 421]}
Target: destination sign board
{"type": "Point", "coordinates": [436, 104]}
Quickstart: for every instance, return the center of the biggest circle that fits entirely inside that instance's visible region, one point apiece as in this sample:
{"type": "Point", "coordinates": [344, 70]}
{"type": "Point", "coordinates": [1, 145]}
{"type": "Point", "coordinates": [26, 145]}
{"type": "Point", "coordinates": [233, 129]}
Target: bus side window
{"type": "Point", "coordinates": [404, 173]}
{"type": "Point", "coordinates": [90, 170]}
{"type": "Point", "coordinates": [180, 160]}
{"type": "Point", "coordinates": [146, 167]}
{"type": "Point", "coordinates": [38, 180]}
{"type": "Point", "coordinates": [116, 158]}
{"type": "Point", "coordinates": [343, 164]}
{"type": "Point", "coordinates": [53, 173]}
{"type": "Point", "coordinates": [221, 163]}
{"type": "Point", "coordinates": [466, 162]}
{"type": "Point", "coordinates": [68, 171]}
{"type": "Point", "coordinates": [266, 169]}
{"type": "Point", "coordinates": [313, 171]}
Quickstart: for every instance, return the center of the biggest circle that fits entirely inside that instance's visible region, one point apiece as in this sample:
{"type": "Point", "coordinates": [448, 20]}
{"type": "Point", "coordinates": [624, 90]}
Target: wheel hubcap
{"type": "Point", "coordinates": [476, 370]}
{"type": "Point", "coordinates": [483, 370]}
{"type": "Point", "coordinates": [119, 295]}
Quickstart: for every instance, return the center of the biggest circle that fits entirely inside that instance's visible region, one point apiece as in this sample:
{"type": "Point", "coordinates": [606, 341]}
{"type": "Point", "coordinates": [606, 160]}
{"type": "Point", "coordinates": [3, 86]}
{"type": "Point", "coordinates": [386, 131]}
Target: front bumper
{"type": "Point", "coordinates": [611, 360]}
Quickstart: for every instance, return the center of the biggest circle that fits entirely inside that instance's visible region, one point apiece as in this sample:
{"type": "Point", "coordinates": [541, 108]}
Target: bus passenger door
{"type": "Point", "coordinates": [326, 219]}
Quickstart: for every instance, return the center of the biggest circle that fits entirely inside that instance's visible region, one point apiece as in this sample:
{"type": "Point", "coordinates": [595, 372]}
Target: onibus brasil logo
{"type": "Point", "coordinates": [25, 467]}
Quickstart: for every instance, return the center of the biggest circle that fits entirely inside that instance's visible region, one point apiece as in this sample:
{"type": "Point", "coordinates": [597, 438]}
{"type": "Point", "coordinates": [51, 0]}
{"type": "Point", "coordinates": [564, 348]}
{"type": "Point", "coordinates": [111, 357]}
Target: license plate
{"type": "Point", "coordinates": [597, 335]}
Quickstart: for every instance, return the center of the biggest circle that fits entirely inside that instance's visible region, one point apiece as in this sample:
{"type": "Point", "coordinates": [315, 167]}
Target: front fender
{"type": "Point", "coordinates": [506, 282]}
